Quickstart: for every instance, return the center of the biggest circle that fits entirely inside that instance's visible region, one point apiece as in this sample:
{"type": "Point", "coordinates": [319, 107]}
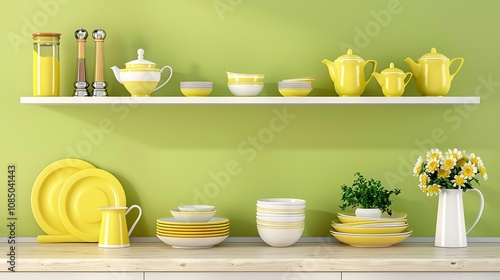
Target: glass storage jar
{"type": "Point", "coordinates": [46, 64]}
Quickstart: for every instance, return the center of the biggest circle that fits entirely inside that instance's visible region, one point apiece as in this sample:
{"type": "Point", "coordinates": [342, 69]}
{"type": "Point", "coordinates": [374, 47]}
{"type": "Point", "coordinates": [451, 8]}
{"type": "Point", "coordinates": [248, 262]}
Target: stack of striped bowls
{"type": "Point", "coordinates": [280, 221]}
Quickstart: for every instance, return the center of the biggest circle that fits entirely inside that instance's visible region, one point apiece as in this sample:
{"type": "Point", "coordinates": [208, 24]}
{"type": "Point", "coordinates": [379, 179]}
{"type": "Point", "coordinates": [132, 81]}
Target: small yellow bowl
{"type": "Point", "coordinates": [196, 91]}
{"type": "Point", "coordinates": [295, 92]}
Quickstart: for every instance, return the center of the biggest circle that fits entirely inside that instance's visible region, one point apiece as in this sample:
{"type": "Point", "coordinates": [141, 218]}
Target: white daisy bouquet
{"type": "Point", "coordinates": [453, 170]}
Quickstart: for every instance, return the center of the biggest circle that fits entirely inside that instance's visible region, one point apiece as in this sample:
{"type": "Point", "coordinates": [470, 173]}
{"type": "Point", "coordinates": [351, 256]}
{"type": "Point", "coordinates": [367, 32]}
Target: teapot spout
{"type": "Point", "coordinates": [116, 71]}
{"type": "Point", "coordinates": [414, 67]}
{"type": "Point", "coordinates": [380, 78]}
{"type": "Point", "coordinates": [331, 69]}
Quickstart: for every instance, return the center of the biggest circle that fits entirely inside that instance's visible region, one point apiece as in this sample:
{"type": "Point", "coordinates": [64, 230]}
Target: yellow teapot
{"type": "Point", "coordinates": [432, 73]}
{"type": "Point", "coordinates": [348, 73]}
{"type": "Point", "coordinates": [392, 80]}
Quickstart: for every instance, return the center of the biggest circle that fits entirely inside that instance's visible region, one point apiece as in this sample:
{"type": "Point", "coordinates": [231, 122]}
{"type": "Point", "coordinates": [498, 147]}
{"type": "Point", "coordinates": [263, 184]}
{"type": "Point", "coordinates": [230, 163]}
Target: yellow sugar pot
{"type": "Point", "coordinates": [392, 80]}
{"type": "Point", "coordinates": [348, 73]}
{"type": "Point", "coordinates": [432, 73]}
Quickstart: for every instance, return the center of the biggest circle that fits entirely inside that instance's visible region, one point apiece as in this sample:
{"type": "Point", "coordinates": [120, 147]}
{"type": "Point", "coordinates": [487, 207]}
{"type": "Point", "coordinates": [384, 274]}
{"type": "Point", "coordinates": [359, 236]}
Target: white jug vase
{"type": "Point", "coordinates": [450, 224]}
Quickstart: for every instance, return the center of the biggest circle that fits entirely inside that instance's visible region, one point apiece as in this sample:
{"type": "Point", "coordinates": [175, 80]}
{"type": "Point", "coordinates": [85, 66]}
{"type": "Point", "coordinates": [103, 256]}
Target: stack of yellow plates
{"type": "Point", "coordinates": [189, 235]}
{"type": "Point", "coordinates": [66, 197]}
{"type": "Point", "coordinates": [370, 232]}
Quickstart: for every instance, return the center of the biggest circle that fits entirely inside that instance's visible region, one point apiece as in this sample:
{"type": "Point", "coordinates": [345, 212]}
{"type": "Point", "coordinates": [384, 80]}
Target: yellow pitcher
{"type": "Point", "coordinates": [113, 232]}
{"type": "Point", "coordinates": [348, 73]}
{"type": "Point", "coordinates": [432, 73]}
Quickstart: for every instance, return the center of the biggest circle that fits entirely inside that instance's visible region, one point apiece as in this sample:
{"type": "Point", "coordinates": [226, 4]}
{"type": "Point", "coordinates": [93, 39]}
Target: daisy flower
{"type": "Point", "coordinates": [474, 159]}
{"type": "Point", "coordinates": [458, 181]}
{"type": "Point", "coordinates": [469, 170]}
{"type": "Point", "coordinates": [455, 153]}
{"type": "Point", "coordinates": [424, 180]}
{"type": "Point", "coordinates": [418, 167]}
{"type": "Point", "coordinates": [432, 165]}
{"type": "Point", "coordinates": [462, 160]}
{"type": "Point", "coordinates": [433, 190]}
{"type": "Point", "coordinates": [443, 173]}
{"type": "Point", "coordinates": [448, 162]}
{"type": "Point", "coordinates": [482, 169]}
{"type": "Point", "coordinates": [434, 153]}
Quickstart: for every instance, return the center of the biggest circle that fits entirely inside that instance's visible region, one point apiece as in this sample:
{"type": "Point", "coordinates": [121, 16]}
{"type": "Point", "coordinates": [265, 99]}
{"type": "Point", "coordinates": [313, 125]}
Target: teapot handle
{"type": "Point", "coordinates": [374, 66]}
{"type": "Point", "coordinates": [408, 77]}
{"type": "Point", "coordinates": [169, 77]}
{"type": "Point", "coordinates": [481, 207]}
{"type": "Point", "coordinates": [458, 68]}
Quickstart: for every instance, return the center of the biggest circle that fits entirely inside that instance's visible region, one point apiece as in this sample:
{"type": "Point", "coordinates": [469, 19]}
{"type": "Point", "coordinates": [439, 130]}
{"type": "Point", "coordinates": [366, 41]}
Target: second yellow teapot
{"type": "Point", "coordinates": [348, 73]}
{"type": "Point", "coordinates": [432, 73]}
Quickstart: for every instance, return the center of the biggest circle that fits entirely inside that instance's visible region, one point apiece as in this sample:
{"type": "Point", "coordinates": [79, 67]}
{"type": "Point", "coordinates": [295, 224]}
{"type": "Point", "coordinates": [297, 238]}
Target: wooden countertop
{"type": "Point", "coordinates": [310, 257]}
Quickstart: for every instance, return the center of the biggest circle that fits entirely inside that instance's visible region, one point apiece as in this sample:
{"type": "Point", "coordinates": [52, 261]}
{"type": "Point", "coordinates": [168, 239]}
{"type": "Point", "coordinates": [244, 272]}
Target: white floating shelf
{"type": "Point", "coordinates": [233, 100]}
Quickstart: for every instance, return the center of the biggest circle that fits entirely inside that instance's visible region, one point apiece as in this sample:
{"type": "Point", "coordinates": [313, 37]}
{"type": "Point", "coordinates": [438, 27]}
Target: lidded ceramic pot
{"type": "Point", "coordinates": [432, 73]}
{"type": "Point", "coordinates": [348, 73]}
{"type": "Point", "coordinates": [140, 77]}
{"type": "Point", "coordinates": [392, 80]}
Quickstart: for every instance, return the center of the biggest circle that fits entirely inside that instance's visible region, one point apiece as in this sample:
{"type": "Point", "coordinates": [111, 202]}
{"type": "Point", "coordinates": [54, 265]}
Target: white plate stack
{"type": "Point", "coordinates": [280, 221]}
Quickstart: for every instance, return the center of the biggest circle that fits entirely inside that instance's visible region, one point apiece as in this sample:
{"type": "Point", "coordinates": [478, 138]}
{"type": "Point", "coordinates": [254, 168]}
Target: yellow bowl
{"type": "Point", "coordinates": [371, 240]}
{"type": "Point", "coordinates": [295, 92]}
{"type": "Point", "coordinates": [196, 91]}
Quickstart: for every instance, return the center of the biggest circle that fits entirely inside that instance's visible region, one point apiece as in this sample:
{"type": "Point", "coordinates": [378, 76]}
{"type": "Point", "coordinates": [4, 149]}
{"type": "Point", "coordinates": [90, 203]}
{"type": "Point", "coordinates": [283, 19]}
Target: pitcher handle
{"type": "Point", "coordinates": [458, 68]}
{"type": "Point", "coordinates": [136, 220]}
{"type": "Point", "coordinates": [169, 77]}
{"type": "Point", "coordinates": [481, 207]}
{"type": "Point", "coordinates": [374, 66]}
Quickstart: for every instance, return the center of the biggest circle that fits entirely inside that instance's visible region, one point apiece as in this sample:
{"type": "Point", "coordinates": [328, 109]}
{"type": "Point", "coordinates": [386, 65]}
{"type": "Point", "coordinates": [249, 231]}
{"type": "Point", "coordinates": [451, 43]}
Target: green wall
{"type": "Point", "coordinates": [168, 155]}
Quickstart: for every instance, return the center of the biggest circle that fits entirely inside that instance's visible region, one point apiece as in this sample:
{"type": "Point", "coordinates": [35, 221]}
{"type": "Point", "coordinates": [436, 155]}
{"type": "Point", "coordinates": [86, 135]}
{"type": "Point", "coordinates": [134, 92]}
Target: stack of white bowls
{"type": "Point", "coordinates": [280, 221]}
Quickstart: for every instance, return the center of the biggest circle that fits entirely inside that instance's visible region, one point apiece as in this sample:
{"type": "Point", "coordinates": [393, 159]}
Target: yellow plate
{"type": "Point", "coordinates": [379, 223]}
{"type": "Point", "coordinates": [188, 233]}
{"type": "Point", "coordinates": [189, 227]}
{"type": "Point", "coordinates": [82, 195]}
{"type": "Point", "coordinates": [369, 230]}
{"type": "Point", "coordinates": [57, 239]}
{"type": "Point", "coordinates": [371, 240]}
{"type": "Point", "coordinates": [192, 229]}
{"type": "Point", "coordinates": [172, 221]}
{"type": "Point", "coordinates": [349, 217]}
{"type": "Point", "coordinates": [192, 236]}
{"type": "Point", "coordinates": [46, 190]}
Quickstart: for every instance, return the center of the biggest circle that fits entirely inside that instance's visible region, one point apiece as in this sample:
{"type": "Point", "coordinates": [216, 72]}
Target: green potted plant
{"type": "Point", "coordinates": [368, 195]}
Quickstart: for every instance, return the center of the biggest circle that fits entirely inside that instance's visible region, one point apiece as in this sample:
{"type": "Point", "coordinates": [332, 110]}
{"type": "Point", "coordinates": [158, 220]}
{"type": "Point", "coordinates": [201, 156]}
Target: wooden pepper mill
{"type": "Point", "coordinates": [81, 85]}
{"type": "Point", "coordinates": [99, 83]}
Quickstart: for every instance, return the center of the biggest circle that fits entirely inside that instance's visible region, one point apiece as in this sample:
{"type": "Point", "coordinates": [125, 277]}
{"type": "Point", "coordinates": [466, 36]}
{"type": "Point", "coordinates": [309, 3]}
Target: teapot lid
{"type": "Point", "coordinates": [349, 56]}
{"type": "Point", "coordinates": [392, 70]}
{"type": "Point", "coordinates": [140, 62]}
{"type": "Point", "coordinates": [434, 55]}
